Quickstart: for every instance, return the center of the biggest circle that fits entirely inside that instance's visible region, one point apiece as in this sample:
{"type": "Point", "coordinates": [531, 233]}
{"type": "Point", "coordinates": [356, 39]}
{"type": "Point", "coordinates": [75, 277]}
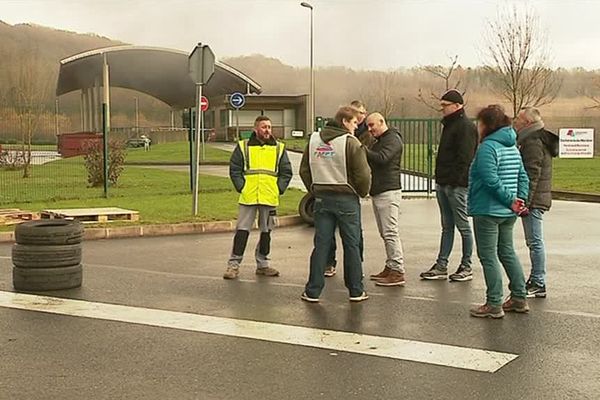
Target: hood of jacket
{"type": "Point", "coordinates": [537, 130]}
{"type": "Point", "coordinates": [254, 141]}
{"type": "Point", "coordinates": [506, 136]}
{"type": "Point", "coordinates": [551, 141]}
{"type": "Point", "coordinates": [331, 131]}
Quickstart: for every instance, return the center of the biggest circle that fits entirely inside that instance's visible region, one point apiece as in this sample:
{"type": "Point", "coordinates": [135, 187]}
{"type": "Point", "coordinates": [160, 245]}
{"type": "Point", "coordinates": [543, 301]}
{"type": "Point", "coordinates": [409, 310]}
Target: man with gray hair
{"type": "Point", "coordinates": [537, 146]}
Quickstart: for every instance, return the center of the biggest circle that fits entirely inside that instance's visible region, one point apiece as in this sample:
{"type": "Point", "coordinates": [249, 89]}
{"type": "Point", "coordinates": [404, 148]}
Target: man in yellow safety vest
{"type": "Point", "coordinates": [260, 171]}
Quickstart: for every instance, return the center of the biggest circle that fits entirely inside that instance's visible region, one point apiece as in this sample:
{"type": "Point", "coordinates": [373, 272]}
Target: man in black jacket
{"type": "Point", "coordinates": [455, 152]}
{"type": "Point", "coordinates": [537, 146]}
{"type": "Point", "coordinates": [386, 193]}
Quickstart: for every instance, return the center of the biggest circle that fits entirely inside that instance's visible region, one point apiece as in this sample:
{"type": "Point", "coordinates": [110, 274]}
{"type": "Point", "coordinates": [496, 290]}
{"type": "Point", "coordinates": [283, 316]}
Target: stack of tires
{"type": "Point", "coordinates": [47, 255]}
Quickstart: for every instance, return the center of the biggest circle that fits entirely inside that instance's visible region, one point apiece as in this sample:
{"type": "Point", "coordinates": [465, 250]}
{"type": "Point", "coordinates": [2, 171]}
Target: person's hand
{"type": "Point", "coordinates": [524, 212]}
{"type": "Point", "coordinates": [519, 208]}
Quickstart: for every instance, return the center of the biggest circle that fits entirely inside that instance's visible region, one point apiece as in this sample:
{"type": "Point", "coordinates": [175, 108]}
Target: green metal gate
{"type": "Point", "coordinates": [421, 138]}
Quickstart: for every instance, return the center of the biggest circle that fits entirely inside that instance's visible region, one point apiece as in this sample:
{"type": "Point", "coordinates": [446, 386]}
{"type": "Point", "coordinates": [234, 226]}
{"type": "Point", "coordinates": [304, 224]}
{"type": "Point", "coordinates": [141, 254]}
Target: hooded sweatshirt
{"type": "Point", "coordinates": [358, 171]}
{"type": "Point", "coordinates": [497, 175]}
{"type": "Point", "coordinates": [538, 146]}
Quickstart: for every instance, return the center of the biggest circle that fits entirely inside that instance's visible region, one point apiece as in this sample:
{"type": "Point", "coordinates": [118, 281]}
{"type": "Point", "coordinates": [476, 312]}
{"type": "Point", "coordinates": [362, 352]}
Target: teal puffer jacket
{"type": "Point", "coordinates": [497, 175]}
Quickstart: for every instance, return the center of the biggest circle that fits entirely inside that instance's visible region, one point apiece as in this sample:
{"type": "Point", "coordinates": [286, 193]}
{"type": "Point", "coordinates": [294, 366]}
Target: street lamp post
{"type": "Point", "coordinates": [312, 71]}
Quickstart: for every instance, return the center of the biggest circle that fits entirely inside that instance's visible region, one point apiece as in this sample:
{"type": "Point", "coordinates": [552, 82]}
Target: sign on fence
{"type": "Point", "coordinates": [576, 143]}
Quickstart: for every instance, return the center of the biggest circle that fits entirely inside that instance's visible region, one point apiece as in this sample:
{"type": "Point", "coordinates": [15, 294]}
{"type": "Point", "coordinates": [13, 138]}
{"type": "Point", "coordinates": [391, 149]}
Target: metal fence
{"type": "Point", "coordinates": [420, 137]}
{"type": "Point", "coordinates": [39, 174]}
{"type": "Point", "coordinates": [49, 176]}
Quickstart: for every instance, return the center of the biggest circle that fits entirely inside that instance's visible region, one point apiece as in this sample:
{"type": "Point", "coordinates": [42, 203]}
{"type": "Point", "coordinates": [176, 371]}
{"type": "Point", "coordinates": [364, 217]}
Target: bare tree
{"type": "Point", "coordinates": [382, 93]}
{"type": "Point", "coordinates": [516, 52]}
{"type": "Point", "coordinates": [28, 89]}
{"type": "Point", "coordinates": [591, 93]}
{"type": "Point", "coordinates": [450, 77]}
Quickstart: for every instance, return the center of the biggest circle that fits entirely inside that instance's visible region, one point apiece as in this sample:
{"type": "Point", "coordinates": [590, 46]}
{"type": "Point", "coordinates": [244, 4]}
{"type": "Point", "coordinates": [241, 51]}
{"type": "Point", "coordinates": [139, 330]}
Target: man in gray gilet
{"type": "Point", "coordinates": [334, 169]}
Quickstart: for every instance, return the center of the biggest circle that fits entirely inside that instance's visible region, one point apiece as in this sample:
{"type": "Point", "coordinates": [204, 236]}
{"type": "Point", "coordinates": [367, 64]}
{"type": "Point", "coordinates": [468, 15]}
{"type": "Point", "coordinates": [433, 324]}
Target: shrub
{"type": "Point", "coordinates": [12, 159]}
{"type": "Point", "coordinates": [94, 161]}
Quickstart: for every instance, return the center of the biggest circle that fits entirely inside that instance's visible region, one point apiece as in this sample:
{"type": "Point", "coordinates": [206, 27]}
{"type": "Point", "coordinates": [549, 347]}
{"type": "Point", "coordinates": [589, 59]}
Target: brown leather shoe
{"type": "Point", "coordinates": [393, 278]}
{"type": "Point", "coordinates": [382, 274]}
{"type": "Point", "coordinates": [516, 305]}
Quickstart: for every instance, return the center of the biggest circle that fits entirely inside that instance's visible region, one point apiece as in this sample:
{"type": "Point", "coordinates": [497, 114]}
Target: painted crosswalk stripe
{"type": "Point", "coordinates": [401, 349]}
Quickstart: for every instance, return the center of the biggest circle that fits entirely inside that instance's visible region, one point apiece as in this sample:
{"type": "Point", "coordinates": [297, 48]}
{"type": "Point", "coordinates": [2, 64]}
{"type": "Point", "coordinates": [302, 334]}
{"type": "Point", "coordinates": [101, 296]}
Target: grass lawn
{"type": "Point", "coordinates": [174, 153]}
{"type": "Point", "coordinates": [160, 196]}
{"type": "Point", "coordinates": [577, 175]}
{"type": "Point", "coordinates": [164, 197]}
{"type": "Point", "coordinates": [295, 144]}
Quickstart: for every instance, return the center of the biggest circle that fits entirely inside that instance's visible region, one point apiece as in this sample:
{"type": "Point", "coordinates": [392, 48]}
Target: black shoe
{"type": "Point", "coordinates": [462, 274]}
{"type": "Point", "coordinates": [434, 273]}
{"type": "Point", "coordinates": [535, 290]}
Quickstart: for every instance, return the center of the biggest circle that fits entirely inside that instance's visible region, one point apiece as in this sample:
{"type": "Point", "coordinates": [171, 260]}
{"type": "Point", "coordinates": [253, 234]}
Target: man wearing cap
{"type": "Point", "coordinates": [455, 152]}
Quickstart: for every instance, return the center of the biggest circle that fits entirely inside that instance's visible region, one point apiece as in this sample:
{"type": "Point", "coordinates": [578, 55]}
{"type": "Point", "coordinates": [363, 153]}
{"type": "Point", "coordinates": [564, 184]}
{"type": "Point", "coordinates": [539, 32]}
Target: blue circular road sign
{"type": "Point", "coordinates": [237, 100]}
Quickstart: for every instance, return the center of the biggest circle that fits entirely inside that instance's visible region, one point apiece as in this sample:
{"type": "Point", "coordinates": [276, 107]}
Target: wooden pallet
{"type": "Point", "coordinates": [12, 216]}
{"type": "Point", "coordinates": [93, 215]}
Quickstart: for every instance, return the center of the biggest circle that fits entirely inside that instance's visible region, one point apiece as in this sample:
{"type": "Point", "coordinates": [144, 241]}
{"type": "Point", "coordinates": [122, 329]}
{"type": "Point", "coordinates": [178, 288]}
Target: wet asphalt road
{"type": "Point", "coordinates": [48, 356]}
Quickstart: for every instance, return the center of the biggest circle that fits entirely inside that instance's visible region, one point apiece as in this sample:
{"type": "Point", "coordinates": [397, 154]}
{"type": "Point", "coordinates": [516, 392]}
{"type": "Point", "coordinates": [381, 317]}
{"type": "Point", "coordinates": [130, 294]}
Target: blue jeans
{"type": "Point", "coordinates": [494, 236]}
{"type": "Point", "coordinates": [331, 258]}
{"type": "Point", "coordinates": [534, 237]}
{"type": "Point", "coordinates": [330, 210]}
{"type": "Point", "coordinates": [452, 201]}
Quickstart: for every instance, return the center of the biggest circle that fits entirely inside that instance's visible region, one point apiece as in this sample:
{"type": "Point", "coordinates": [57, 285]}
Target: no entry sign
{"type": "Point", "coordinates": [203, 103]}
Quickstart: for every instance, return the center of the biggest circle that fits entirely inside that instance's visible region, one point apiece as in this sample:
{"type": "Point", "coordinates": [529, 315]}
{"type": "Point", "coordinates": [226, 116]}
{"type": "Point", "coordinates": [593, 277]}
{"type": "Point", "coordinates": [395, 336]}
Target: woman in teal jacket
{"type": "Point", "coordinates": [497, 184]}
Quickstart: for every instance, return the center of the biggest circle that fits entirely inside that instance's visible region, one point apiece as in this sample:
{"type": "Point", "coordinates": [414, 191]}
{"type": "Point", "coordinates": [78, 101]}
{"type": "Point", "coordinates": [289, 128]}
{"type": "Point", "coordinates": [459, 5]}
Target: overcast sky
{"type": "Point", "coordinates": [364, 34]}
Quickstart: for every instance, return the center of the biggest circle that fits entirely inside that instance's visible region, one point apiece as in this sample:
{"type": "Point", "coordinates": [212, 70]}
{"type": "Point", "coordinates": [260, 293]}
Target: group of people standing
{"type": "Point", "coordinates": [486, 171]}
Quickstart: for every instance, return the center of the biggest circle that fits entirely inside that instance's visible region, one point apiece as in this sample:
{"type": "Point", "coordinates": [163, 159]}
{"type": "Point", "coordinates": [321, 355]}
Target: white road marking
{"type": "Point", "coordinates": [400, 349]}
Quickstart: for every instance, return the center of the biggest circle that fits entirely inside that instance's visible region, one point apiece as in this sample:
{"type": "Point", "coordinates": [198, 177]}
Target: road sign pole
{"type": "Point", "coordinates": [237, 124]}
{"type": "Point", "coordinates": [201, 67]}
{"type": "Point", "coordinates": [197, 158]}
{"type": "Point", "coordinates": [192, 147]}
{"type": "Point", "coordinates": [202, 134]}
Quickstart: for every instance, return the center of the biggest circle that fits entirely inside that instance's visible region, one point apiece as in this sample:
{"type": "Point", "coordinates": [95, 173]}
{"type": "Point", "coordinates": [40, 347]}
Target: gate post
{"type": "Point", "coordinates": [429, 156]}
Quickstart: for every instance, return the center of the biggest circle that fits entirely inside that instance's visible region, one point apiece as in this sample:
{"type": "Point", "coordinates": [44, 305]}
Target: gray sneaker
{"type": "Point", "coordinates": [435, 273]}
{"type": "Point", "coordinates": [462, 274]}
{"type": "Point", "coordinates": [231, 273]}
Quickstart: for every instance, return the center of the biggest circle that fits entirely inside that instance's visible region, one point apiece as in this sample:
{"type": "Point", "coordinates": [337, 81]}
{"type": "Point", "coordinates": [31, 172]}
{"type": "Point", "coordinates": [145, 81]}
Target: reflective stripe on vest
{"type": "Point", "coordinates": [328, 161]}
{"type": "Point", "coordinates": [261, 168]}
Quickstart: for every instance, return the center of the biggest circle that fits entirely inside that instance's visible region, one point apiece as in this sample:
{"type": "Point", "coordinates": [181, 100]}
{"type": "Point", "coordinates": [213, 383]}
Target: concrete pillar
{"type": "Point", "coordinates": [82, 110]}
{"type": "Point", "coordinates": [90, 109]}
{"type": "Point", "coordinates": [98, 105]}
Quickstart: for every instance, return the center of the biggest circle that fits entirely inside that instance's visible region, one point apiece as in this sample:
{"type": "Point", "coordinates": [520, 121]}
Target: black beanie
{"type": "Point", "coordinates": [453, 96]}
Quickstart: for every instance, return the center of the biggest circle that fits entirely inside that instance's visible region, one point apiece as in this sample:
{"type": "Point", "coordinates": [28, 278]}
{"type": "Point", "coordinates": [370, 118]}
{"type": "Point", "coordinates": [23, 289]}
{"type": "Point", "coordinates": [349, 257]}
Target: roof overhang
{"type": "Point", "coordinates": [158, 72]}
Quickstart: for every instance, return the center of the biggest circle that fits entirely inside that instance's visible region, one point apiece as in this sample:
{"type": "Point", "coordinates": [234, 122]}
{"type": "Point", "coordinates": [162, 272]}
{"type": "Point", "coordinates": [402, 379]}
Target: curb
{"type": "Point", "coordinates": [575, 196]}
{"type": "Point", "coordinates": [165, 229]}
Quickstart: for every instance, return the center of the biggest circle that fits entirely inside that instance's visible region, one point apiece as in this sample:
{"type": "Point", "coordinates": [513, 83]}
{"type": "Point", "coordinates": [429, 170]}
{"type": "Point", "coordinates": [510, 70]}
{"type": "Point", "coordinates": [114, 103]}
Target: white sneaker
{"type": "Point", "coordinates": [305, 297]}
{"type": "Point", "coordinates": [362, 297]}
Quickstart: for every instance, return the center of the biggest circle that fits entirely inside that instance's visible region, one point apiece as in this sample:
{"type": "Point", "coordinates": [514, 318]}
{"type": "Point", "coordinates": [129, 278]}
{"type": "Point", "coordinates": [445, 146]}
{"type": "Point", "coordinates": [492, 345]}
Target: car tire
{"type": "Point", "coordinates": [306, 209]}
{"type": "Point", "coordinates": [42, 256]}
{"type": "Point", "coordinates": [49, 232]}
{"type": "Point", "coordinates": [42, 279]}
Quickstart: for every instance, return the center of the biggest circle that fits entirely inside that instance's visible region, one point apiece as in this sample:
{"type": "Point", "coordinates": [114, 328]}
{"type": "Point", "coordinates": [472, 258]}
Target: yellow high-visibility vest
{"type": "Point", "coordinates": [261, 167]}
